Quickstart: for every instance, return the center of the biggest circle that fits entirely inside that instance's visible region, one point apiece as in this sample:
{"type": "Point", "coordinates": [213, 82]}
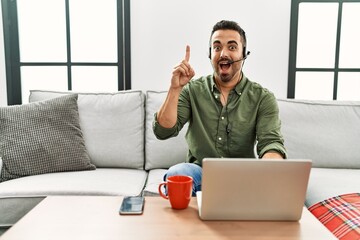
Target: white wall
{"type": "Point", "coordinates": [160, 30]}
{"type": "Point", "coordinates": [3, 96]}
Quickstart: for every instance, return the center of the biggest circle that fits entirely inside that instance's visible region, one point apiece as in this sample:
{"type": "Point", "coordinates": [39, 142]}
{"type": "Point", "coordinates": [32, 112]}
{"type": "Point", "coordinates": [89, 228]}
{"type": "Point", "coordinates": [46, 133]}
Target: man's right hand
{"type": "Point", "coordinates": [183, 72]}
{"type": "Point", "coordinates": [181, 75]}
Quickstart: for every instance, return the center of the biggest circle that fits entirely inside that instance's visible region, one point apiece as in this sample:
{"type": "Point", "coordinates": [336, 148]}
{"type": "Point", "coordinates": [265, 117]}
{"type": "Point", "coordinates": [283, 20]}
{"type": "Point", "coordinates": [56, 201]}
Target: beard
{"type": "Point", "coordinates": [225, 77]}
{"type": "Point", "coordinates": [227, 74]}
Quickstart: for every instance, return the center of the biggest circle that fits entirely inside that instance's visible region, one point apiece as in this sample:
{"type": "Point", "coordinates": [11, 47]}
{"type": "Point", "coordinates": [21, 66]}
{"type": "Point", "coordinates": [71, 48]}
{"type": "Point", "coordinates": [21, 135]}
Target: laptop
{"type": "Point", "coordinates": [253, 189]}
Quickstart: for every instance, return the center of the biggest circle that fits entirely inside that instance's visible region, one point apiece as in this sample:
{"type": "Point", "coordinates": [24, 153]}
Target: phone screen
{"type": "Point", "coordinates": [132, 205]}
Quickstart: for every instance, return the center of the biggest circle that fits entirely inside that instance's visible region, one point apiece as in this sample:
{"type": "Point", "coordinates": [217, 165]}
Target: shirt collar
{"type": "Point", "coordinates": [239, 88]}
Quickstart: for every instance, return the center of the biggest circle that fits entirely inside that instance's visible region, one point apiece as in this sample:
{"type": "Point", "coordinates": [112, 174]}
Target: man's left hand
{"type": "Point", "coordinates": [272, 155]}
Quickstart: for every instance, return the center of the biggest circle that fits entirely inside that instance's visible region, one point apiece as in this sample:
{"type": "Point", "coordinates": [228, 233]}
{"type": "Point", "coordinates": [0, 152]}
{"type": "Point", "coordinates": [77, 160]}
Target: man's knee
{"type": "Point", "coordinates": [187, 169]}
{"type": "Point", "coordinates": [178, 169]}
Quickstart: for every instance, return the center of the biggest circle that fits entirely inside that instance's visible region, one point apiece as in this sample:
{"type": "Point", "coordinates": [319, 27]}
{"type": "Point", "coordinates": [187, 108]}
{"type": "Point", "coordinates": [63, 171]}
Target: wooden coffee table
{"type": "Point", "coordinates": [97, 217]}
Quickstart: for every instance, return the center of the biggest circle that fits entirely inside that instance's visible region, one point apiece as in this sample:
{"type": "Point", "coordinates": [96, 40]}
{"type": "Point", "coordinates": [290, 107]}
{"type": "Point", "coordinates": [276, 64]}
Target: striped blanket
{"type": "Point", "coordinates": [340, 214]}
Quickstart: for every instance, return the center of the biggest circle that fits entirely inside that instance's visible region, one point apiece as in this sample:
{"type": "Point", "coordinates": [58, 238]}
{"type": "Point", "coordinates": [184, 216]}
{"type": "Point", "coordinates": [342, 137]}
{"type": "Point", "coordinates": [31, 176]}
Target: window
{"type": "Point", "coordinates": [324, 50]}
{"type": "Point", "coordinates": [80, 45]}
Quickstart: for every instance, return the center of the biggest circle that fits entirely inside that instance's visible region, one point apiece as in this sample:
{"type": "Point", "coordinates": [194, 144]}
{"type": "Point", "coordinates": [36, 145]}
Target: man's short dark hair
{"type": "Point", "coordinates": [229, 25]}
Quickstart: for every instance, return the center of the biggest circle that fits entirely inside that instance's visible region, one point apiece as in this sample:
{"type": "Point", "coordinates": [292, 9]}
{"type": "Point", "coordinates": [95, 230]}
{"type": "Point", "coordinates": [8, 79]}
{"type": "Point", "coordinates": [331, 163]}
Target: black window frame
{"type": "Point", "coordinates": [293, 47]}
{"type": "Point", "coordinates": [12, 50]}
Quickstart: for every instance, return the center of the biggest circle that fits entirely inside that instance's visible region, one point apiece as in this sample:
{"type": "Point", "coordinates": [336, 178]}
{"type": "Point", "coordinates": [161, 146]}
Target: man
{"type": "Point", "coordinates": [226, 112]}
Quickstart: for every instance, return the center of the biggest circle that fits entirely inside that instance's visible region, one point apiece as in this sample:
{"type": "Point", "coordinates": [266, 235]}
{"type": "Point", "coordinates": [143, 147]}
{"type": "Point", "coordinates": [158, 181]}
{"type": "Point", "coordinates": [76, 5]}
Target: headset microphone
{"type": "Point", "coordinates": [231, 61]}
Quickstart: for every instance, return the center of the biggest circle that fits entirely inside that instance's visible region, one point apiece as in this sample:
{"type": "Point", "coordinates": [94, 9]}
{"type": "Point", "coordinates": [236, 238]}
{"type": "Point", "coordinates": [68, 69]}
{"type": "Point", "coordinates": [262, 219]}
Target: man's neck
{"type": "Point", "coordinates": [228, 86]}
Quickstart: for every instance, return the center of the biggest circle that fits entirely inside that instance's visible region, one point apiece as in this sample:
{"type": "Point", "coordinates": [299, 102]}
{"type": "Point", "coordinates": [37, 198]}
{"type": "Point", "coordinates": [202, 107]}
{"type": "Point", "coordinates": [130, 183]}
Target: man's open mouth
{"type": "Point", "coordinates": [224, 65]}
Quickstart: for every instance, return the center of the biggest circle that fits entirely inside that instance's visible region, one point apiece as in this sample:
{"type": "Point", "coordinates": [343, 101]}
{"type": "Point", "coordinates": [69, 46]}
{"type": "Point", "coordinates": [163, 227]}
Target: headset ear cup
{"type": "Point", "coordinates": [244, 53]}
{"type": "Point", "coordinates": [210, 52]}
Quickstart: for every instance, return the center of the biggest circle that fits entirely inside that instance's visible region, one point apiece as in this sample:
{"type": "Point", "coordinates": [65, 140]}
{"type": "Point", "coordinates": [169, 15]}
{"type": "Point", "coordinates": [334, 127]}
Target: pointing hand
{"type": "Point", "coordinates": [183, 72]}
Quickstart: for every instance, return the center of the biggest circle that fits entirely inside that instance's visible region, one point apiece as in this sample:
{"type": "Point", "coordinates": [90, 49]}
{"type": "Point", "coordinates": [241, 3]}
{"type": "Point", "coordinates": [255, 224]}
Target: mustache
{"type": "Point", "coordinates": [224, 61]}
{"type": "Point", "coordinates": [229, 61]}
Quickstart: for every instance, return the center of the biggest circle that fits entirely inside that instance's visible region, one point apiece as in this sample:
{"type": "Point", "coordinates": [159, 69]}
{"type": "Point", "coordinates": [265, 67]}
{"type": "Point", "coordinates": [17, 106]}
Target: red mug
{"type": "Point", "coordinates": [179, 190]}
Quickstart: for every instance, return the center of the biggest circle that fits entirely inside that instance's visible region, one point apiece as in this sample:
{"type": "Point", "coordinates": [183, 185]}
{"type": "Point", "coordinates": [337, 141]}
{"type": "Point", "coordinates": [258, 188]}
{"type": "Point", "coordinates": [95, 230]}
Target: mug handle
{"type": "Point", "coordinates": [160, 192]}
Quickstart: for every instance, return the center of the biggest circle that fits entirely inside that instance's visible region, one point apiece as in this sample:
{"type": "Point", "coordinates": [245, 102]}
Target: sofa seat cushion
{"type": "Point", "coordinates": [112, 126]}
{"type": "Point", "coordinates": [155, 177]}
{"type": "Point", "coordinates": [340, 214]}
{"type": "Point", "coordinates": [325, 183]}
{"type": "Point", "coordinates": [20, 195]}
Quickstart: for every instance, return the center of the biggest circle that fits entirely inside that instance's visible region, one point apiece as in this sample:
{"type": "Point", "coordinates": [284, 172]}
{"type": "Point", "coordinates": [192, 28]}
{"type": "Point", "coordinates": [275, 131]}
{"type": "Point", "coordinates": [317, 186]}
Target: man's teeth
{"type": "Point", "coordinates": [224, 64]}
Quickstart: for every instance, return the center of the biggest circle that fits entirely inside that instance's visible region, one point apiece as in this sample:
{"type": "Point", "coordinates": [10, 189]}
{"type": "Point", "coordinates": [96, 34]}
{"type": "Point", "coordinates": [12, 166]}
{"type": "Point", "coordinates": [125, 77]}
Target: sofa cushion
{"type": "Point", "coordinates": [112, 124]}
{"type": "Point", "coordinates": [340, 214]}
{"type": "Point", "coordinates": [42, 137]}
{"type": "Point", "coordinates": [20, 195]}
{"type": "Point", "coordinates": [325, 131]}
{"type": "Point", "coordinates": [161, 153]}
{"type": "Point", "coordinates": [155, 177]}
{"type": "Point", "coordinates": [325, 183]}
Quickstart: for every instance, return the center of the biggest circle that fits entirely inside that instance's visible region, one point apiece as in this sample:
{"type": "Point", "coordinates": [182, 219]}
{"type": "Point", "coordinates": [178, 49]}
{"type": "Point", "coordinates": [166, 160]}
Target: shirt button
{"type": "Point", "coordinates": [220, 138]}
{"type": "Point", "coordinates": [216, 96]}
{"type": "Point", "coordinates": [222, 118]}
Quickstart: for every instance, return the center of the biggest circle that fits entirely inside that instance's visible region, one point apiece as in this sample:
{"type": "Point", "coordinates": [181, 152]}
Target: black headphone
{"type": "Point", "coordinates": [245, 53]}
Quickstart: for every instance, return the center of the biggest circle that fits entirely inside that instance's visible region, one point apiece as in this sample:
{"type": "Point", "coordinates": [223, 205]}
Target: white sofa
{"type": "Point", "coordinates": [327, 132]}
{"type": "Point", "coordinates": [117, 129]}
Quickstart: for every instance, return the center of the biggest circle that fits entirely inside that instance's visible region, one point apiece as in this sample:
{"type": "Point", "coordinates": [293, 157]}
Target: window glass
{"type": "Point", "coordinates": [94, 78]}
{"type": "Point", "coordinates": [314, 85]}
{"type": "Point", "coordinates": [42, 78]}
{"type": "Point", "coordinates": [93, 30]}
{"type": "Point", "coordinates": [349, 86]}
{"type": "Point", "coordinates": [316, 43]}
{"type": "Point", "coordinates": [42, 30]}
{"type": "Point", "coordinates": [350, 36]}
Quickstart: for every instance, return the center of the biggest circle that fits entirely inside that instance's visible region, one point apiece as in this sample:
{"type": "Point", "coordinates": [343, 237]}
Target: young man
{"type": "Point", "coordinates": [227, 113]}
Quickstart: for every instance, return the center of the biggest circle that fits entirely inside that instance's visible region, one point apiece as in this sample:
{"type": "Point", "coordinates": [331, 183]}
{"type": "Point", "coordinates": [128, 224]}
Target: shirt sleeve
{"type": "Point", "coordinates": [161, 132]}
{"type": "Point", "coordinates": [268, 127]}
{"type": "Point", "coordinates": [183, 113]}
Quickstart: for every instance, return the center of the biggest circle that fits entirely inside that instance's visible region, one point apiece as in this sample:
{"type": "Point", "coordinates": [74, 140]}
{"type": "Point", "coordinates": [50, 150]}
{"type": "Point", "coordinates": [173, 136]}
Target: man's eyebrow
{"type": "Point", "coordinates": [232, 41]}
{"type": "Point", "coordinates": [229, 42]}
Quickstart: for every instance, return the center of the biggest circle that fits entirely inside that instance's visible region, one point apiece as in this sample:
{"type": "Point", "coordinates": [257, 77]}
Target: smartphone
{"type": "Point", "coordinates": [132, 205]}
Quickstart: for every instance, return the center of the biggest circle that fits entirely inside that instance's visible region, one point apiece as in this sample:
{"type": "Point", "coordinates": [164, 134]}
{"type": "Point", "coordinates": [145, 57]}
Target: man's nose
{"type": "Point", "coordinates": [224, 53]}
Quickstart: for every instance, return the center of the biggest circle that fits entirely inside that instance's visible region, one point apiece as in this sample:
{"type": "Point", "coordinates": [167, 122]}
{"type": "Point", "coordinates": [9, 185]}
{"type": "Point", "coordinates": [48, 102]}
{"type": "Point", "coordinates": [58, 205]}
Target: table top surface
{"type": "Point", "coordinates": [97, 217]}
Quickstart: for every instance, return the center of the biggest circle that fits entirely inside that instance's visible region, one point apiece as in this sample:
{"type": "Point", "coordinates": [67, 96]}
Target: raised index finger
{"type": "Point", "coordinates": [187, 54]}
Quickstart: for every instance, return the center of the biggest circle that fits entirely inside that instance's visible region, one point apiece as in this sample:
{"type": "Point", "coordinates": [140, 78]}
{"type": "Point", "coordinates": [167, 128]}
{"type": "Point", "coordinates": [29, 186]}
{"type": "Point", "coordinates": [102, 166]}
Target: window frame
{"type": "Point", "coordinates": [12, 50]}
{"type": "Point", "coordinates": [293, 47]}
